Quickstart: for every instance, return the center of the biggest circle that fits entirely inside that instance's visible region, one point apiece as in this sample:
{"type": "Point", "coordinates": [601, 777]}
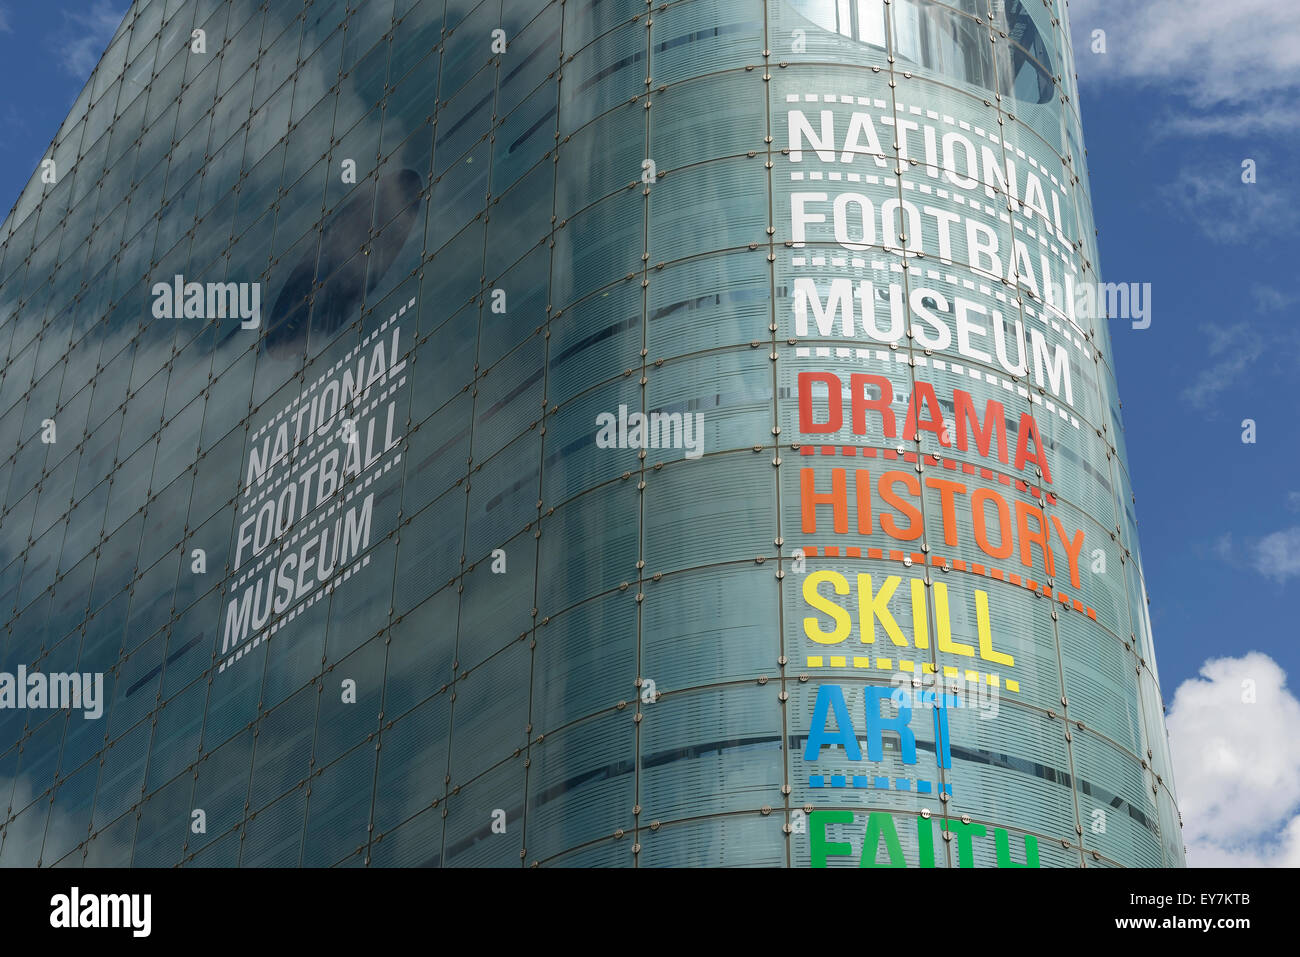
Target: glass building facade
{"type": "Point", "coordinates": [309, 324]}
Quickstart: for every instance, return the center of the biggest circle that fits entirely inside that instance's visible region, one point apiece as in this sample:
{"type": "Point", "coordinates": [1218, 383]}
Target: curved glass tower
{"type": "Point", "coordinates": [599, 433]}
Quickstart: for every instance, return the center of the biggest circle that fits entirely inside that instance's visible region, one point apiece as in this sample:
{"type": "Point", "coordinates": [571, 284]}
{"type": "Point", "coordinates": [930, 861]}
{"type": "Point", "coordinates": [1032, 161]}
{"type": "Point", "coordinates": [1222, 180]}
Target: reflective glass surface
{"type": "Point", "coordinates": [314, 332]}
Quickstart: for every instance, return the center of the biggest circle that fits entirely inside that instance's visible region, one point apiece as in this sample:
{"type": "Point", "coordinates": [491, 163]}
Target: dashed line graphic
{"type": "Point", "coordinates": [882, 355]}
{"type": "Point", "coordinates": [1046, 317]}
{"type": "Point", "coordinates": [294, 464]}
{"type": "Point", "coordinates": [1063, 252]}
{"type": "Point", "coordinates": [866, 662]}
{"type": "Point", "coordinates": [345, 485]}
{"type": "Point", "coordinates": [298, 609]}
{"type": "Point", "coordinates": [876, 782]}
{"type": "Point", "coordinates": [967, 468]}
{"type": "Point", "coordinates": [910, 559]}
{"type": "Point", "coordinates": [324, 516]}
{"type": "Point", "coordinates": [888, 120]}
{"type": "Point", "coordinates": [332, 369]}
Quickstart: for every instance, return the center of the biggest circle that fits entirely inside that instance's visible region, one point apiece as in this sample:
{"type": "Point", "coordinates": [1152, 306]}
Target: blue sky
{"type": "Point", "coordinates": [1184, 92]}
{"type": "Point", "coordinates": [47, 50]}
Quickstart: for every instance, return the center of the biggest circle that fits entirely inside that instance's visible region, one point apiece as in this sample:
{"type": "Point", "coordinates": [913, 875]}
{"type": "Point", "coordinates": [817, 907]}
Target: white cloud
{"type": "Point", "coordinates": [1269, 299]}
{"type": "Point", "coordinates": [1237, 764]}
{"type": "Point", "coordinates": [86, 36]}
{"type": "Point", "coordinates": [4, 22]}
{"type": "Point", "coordinates": [1213, 198]}
{"type": "Point", "coordinates": [1233, 349]}
{"type": "Point", "coordinates": [1227, 71]}
{"type": "Point", "coordinates": [1222, 546]}
{"type": "Point", "coordinates": [1277, 556]}
{"type": "Point", "coordinates": [1244, 53]}
{"type": "Point", "coordinates": [1260, 120]}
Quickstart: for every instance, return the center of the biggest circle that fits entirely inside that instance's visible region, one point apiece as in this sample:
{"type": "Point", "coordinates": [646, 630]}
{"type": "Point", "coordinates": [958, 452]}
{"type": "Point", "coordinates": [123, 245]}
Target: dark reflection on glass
{"type": "Point", "coordinates": [396, 201]}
